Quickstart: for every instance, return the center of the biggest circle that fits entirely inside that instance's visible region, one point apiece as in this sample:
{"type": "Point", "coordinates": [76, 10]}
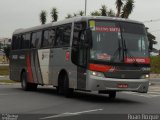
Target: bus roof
{"type": "Point", "coordinates": [70, 20]}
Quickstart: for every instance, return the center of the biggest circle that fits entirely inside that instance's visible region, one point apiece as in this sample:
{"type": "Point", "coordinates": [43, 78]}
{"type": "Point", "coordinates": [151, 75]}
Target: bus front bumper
{"type": "Point", "coordinates": [111, 84]}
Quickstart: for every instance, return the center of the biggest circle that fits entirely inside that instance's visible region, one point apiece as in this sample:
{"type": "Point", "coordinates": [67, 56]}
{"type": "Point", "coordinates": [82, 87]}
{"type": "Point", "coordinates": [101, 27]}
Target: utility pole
{"type": "Point", "coordinates": [85, 7]}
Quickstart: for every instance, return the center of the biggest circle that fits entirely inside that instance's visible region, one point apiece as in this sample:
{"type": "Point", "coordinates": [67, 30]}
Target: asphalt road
{"type": "Point", "coordinates": [46, 101]}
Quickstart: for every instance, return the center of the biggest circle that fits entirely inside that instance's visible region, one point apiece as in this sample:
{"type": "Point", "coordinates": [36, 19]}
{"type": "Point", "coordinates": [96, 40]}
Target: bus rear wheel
{"type": "Point", "coordinates": [25, 85]}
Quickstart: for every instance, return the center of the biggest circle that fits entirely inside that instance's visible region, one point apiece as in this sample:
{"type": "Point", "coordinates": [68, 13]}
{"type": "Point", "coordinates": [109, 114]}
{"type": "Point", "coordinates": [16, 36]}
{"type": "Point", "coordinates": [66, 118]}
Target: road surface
{"type": "Point", "coordinates": [47, 104]}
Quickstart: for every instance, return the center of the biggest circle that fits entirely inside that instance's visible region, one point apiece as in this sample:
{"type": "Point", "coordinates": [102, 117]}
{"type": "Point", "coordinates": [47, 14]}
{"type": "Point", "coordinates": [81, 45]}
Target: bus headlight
{"type": "Point", "coordinates": [145, 76]}
{"type": "Point", "coordinates": [98, 74]}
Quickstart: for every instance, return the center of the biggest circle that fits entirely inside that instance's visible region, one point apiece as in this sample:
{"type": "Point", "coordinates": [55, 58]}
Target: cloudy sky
{"type": "Point", "coordinates": [25, 13]}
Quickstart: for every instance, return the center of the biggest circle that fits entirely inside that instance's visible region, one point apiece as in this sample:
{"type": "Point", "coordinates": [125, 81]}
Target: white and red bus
{"type": "Point", "coordinates": [83, 53]}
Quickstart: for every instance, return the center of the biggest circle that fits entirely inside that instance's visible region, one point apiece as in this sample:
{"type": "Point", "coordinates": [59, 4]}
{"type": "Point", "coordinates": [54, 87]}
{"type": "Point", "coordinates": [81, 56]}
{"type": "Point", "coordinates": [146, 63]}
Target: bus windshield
{"type": "Point", "coordinates": [109, 38]}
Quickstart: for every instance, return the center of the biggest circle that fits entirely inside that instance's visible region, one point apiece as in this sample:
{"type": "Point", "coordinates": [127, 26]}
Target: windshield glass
{"type": "Point", "coordinates": [108, 36]}
{"type": "Point", "coordinates": [106, 41]}
{"type": "Point", "coordinates": [135, 39]}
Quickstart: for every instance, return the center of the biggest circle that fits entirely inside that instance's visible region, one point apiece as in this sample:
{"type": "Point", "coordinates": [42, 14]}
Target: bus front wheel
{"type": "Point", "coordinates": [63, 86]}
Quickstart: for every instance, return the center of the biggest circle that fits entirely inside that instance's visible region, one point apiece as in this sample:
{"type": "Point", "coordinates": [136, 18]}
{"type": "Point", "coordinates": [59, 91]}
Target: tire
{"type": "Point", "coordinates": [112, 95]}
{"type": "Point", "coordinates": [68, 92]}
{"type": "Point", "coordinates": [63, 86]}
{"type": "Point", "coordinates": [25, 85]}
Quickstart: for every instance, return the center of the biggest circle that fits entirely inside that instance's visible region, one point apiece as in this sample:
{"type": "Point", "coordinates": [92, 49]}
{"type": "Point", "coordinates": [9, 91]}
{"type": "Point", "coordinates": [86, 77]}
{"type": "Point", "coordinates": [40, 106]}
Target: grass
{"type": "Point", "coordinates": [4, 70]}
{"type": "Point", "coordinates": [1, 58]}
{"type": "Point", "coordinates": [7, 81]}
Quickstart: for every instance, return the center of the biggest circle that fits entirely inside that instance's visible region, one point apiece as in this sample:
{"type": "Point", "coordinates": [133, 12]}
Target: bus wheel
{"type": "Point", "coordinates": [25, 85]}
{"type": "Point", "coordinates": [68, 92]}
{"type": "Point", "coordinates": [112, 95]}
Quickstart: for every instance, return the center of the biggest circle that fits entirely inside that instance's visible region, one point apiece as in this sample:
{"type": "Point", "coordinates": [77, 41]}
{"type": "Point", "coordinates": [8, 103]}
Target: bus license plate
{"type": "Point", "coordinates": [122, 86]}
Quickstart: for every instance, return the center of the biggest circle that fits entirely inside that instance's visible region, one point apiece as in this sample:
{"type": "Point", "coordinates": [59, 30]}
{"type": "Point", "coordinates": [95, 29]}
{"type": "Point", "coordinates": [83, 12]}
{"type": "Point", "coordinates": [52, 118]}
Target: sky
{"type": "Point", "coordinates": [16, 14]}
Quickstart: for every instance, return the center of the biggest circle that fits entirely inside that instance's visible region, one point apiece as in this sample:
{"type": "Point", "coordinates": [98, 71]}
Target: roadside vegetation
{"type": "Point", "coordinates": [7, 81]}
{"type": "Point", "coordinates": [4, 70]}
{"type": "Point", "coordinates": [155, 64]}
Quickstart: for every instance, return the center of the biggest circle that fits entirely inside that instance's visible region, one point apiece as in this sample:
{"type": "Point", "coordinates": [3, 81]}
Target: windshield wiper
{"type": "Point", "coordinates": [118, 50]}
{"type": "Point", "coordinates": [127, 52]}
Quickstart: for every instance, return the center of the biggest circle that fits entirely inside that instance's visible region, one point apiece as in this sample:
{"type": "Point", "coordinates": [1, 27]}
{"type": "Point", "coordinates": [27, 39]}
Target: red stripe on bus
{"type": "Point", "coordinates": [100, 68]}
{"type": "Point", "coordinates": [29, 68]}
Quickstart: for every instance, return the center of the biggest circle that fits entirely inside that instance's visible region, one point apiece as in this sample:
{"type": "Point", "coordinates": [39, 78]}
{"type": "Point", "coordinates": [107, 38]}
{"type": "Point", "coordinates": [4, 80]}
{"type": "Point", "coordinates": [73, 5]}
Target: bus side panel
{"type": "Point", "coordinates": [62, 61]}
{"type": "Point", "coordinates": [81, 78]}
{"type": "Point", "coordinates": [44, 62]}
{"type": "Point", "coordinates": [18, 63]}
{"type": "Point", "coordinates": [35, 66]}
{"type": "Point", "coordinates": [14, 66]}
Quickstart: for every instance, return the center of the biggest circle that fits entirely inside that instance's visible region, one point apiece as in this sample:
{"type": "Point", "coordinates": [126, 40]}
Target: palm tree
{"type": "Point", "coordinates": [127, 9]}
{"type": "Point", "coordinates": [43, 15]}
{"type": "Point", "coordinates": [103, 10]}
{"type": "Point", "coordinates": [119, 5]}
{"type": "Point", "coordinates": [54, 14]}
{"type": "Point", "coordinates": [69, 16]}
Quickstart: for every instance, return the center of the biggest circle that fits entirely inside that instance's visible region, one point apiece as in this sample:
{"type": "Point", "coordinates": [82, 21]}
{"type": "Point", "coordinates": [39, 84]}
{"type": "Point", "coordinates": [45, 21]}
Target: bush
{"type": "Point", "coordinates": [155, 64]}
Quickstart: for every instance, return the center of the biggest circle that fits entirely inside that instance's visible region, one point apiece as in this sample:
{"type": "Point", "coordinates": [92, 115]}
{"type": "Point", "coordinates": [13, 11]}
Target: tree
{"type": "Point", "coordinates": [103, 10]}
{"type": "Point", "coordinates": [6, 51]}
{"type": "Point", "coordinates": [111, 13]}
{"type": "Point", "coordinates": [43, 15]}
{"type": "Point", "coordinates": [54, 14]}
{"type": "Point", "coordinates": [151, 39]}
{"type": "Point", "coordinates": [119, 5]}
{"type": "Point", "coordinates": [68, 16]}
{"type": "Point", "coordinates": [95, 13]}
{"type": "Point", "coordinates": [127, 9]}
{"type": "Point", "coordinates": [74, 14]}
{"type": "Point", "coordinates": [81, 13]}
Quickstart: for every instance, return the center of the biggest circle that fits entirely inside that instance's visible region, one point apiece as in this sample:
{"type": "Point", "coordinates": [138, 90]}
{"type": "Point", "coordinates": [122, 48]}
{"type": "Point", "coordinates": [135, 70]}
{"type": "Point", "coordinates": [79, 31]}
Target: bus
{"type": "Point", "coordinates": [102, 54]}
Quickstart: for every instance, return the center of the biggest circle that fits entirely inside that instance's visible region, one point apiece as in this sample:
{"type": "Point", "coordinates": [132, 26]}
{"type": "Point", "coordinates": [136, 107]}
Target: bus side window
{"type": "Point", "coordinates": [48, 38]}
{"type": "Point", "coordinates": [16, 43]}
{"type": "Point", "coordinates": [36, 39]}
{"type": "Point", "coordinates": [52, 35]}
{"type": "Point", "coordinates": [14, 40]}
{"type": "Point", "coordinates": [33, 44]}
{"type": "Point", "coordinates": [26, 41]}
{"type": "Point", "coordinates": [66, 35]}
{"type": "Point", "coordinates": [59, 36]}
{"type": "Point", "coordinates": [45, 42]}
{"type": "Point", "coordinates": [63, 35]}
